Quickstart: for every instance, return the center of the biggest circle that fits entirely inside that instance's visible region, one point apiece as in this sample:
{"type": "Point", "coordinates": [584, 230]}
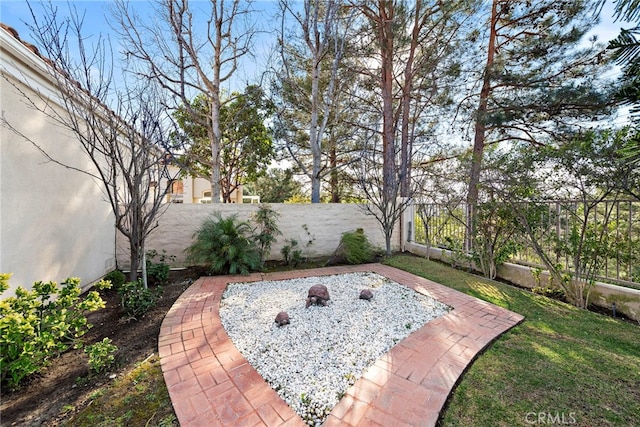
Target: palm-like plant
{"type": "Point", "coordinates": [225, 246]}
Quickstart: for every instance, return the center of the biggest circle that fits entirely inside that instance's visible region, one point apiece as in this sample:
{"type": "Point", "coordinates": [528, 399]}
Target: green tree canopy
{"type": "Point", "coordinates": [276, 186]}
{"type": "Point", "coordinates": [540, 82]}
{"type": "Point", "coordinates": [626, 50]}
{"type": "Point", "coordinates": [246, 149]}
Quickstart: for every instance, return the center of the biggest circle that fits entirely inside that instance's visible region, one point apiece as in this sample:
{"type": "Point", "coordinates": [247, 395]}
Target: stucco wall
{"type": "Point", "coordinates": [325, 223]}
{"type": "Point", "coordinates": [54, 222]}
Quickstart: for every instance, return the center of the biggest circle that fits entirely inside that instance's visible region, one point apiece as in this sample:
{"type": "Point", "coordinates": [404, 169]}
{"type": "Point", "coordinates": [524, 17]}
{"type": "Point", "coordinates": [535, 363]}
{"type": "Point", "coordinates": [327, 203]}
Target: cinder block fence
{"type": "Point", "coordinates": [316, 227]}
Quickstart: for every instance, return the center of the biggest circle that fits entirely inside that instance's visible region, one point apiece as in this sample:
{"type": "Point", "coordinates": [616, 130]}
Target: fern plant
{"type": "Point", "coordinates": [225, 246]}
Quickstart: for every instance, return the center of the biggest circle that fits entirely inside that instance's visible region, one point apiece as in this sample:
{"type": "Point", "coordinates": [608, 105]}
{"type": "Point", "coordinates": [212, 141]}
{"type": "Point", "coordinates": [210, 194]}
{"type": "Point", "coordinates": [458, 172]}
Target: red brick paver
{"type": "Point", "coordinates": [212, 384]}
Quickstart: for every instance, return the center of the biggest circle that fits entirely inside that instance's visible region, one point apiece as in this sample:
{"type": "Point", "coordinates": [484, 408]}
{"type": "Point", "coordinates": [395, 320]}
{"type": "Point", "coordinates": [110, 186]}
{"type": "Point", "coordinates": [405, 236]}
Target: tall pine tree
{"type": "Point", "coordinates": [540, 80]}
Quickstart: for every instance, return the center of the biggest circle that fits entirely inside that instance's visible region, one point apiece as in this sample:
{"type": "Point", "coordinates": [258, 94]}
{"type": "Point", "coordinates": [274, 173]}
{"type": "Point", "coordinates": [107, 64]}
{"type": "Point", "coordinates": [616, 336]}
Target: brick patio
{"type": "Point", "coordinates": [212, 384]}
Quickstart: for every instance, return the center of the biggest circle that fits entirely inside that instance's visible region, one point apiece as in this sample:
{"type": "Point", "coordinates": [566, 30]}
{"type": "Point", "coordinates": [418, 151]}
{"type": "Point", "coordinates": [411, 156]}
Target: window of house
{"type": "Point", "coordinates": [206, 197]}
{"type": "Point", "coordinates": [176, 187]}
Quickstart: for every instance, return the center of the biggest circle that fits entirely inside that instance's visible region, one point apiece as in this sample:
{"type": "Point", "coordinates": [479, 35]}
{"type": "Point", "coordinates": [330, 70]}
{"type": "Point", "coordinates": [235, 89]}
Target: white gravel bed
{"type": "Point", "coordinates": [312, 361]}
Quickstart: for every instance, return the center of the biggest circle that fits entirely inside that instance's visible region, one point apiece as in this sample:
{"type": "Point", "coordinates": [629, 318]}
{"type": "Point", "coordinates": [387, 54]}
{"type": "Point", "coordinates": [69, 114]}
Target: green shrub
{"type": "Point", "coordinates": [356, 248]}
{"type": "Point", "coordinates": [136, 300]}
{"type": "Point", "coordinates": [291, 251]}
{"type": "Point", "coordinates": [101, 355]}
{"type": "Point", "coordinates": [225, 245]}
{"type": "Point", "coordinates": [40, 324]}
{"type": "Point", "coordinates": [157, 272]}
{"type": "Point", "coordinates": [291, 254]}
{"type": "Point", "coordinates": [116, 277]}
{"type": "Point", "coordinates": [267, 230]}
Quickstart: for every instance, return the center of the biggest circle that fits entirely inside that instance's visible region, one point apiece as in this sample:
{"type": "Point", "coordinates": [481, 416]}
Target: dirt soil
{"type": "Point", "coordinates": [40, 401]}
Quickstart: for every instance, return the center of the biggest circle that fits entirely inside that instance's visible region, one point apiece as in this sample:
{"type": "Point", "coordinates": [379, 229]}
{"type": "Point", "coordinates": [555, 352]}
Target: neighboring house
{"type": "Point", "coordinates": [54, 222]}
{"type": "Point", "coordinates": [198, 190]}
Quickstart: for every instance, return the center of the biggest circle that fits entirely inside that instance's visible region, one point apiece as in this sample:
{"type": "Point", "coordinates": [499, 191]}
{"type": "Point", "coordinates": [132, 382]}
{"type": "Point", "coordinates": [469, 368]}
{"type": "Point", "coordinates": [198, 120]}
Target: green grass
{"type": "Point", "coordinates": [139, 398]}
{"type": "Point", "coordinates": [561, 361]}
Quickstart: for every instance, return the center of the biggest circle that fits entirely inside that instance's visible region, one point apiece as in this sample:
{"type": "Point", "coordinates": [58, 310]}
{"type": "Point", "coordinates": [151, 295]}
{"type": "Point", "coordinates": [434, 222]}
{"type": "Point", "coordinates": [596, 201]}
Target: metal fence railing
{"type": "Point", "coordinates": [565, 229]}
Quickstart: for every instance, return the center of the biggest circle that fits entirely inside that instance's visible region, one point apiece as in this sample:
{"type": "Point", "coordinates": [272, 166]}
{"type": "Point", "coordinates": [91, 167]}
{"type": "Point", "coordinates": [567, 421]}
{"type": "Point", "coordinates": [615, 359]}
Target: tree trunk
{"type": "Point", "coordinates": [386, 84]}
{"type": "Point", "coordinates": [134, 258]}
{"type": "Point", "coordinates": [314, 136]}
{"type": "Point", "coordinates": [480, 131]}
{"type": "Point", "coordinates": [405, 155]}
{"type": "Point", "coordinates": [216, 138]}
{"type": "Point", "coordinates": [333, 177]}
{"type": "Point", "coordinates": [387, 241]}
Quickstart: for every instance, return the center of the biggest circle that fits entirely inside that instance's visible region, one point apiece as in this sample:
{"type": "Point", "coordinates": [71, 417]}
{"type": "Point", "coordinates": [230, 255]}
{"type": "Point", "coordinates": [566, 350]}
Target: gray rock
{"type": "Point", "coordinates": [366, 294]}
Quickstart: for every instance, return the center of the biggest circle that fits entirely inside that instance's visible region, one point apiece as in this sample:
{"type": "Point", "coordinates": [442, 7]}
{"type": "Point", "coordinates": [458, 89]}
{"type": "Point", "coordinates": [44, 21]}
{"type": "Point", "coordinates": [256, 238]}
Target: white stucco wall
{"type": "Point", "coordinates": [325, 222]}
{"type": "Point", "coordinates": [54, 222]}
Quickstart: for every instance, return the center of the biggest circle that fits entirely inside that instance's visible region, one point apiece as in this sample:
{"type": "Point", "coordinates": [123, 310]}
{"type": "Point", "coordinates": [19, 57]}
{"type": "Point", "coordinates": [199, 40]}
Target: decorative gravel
{"type": "Point", "coordinates": [312, 361]}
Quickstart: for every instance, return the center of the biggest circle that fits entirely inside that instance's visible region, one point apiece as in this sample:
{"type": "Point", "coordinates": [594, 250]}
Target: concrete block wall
{"type": "Point", "coordinates": [325, 224]}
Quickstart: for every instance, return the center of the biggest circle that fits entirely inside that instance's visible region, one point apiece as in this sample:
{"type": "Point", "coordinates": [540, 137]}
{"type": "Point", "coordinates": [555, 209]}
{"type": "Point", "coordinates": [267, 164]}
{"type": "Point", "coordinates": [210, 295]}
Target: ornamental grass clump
{"type": "Point", "coordinates": [354, 248]}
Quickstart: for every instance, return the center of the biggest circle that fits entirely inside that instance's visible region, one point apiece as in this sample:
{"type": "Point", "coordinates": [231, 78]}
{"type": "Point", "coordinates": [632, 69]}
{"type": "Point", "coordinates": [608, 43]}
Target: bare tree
{"type": "Point", "coordinates": [190, 50]}
{"type": "Point", "coordinates": [387, 207]}
{"type": "Point", "coordinates": [310, 78]}
{"type": "Point", "coordinates": [124, 141]}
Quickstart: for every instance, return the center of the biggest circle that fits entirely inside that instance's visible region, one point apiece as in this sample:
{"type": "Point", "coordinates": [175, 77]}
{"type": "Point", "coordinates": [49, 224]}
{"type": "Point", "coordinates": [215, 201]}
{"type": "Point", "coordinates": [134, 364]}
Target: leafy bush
{"type": "Point", "coordinates": [225, 245]}
{"type": "Point", "coordinates": [267, 227]}
{"type": "Point", "coordinates": [493, 244]}
{"type": "Point", "coordinates": [157, 272]}
{"type": "Point", "coordinates": [116, 277]}
{"type": "Point", "coordinates": [101, 355]}
{"type": "Point", "coordinates": [136, 300]}
{"type": "Point", "coordinates": [40, 324]}
{"type": "Point", "coordinates": [290, 252]}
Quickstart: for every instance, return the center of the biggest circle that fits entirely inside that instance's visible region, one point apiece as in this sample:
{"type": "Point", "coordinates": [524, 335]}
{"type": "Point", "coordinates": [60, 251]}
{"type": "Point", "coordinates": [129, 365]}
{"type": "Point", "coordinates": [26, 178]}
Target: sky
{"type": "Point", "coordinates": [16, 12]}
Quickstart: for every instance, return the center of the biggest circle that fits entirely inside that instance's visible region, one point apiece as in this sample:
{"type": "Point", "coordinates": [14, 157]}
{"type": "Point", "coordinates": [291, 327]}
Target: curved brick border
{"type": "Point", "coordinates": [212, 384]}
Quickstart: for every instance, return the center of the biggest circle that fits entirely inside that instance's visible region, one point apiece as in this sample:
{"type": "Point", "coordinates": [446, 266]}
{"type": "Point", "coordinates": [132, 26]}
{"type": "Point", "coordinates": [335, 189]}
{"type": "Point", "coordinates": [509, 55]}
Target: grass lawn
{"type": "Point", "coordinates": [561, 364]}
{"type": "Point", "coordinates": [139, 398]}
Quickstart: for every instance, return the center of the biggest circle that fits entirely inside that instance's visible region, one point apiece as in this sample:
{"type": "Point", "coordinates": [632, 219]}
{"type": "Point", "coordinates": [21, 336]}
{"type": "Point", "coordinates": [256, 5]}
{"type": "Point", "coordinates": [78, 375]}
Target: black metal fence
{"type": "Point", "coordinates": [566, 230]}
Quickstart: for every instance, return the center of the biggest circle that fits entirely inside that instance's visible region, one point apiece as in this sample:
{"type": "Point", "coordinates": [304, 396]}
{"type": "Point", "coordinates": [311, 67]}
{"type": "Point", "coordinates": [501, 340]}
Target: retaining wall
{"type": "Point", "coordinates": [627, 300]}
